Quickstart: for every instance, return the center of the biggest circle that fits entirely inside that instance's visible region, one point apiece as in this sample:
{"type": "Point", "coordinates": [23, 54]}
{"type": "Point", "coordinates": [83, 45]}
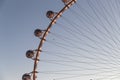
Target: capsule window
{"type": "Point", "coordinates": [66, 1]}
{"type": "Point", "coordinates": [50, 14]}
{"type": "Point", "coordinates": [29, 54]}
{"type": "Point", "coordinates": [38, 32]}
{"type": "Point", "coordinates": [26, 77]}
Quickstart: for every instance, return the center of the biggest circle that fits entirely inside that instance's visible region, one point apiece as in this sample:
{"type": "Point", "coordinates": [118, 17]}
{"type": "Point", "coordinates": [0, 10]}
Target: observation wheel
{"type": "Point", "coordinates": [82, 43]}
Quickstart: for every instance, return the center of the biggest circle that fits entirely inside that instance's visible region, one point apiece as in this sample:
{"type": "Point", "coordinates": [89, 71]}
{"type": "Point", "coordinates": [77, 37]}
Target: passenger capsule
{"type": "Point", "coordinates": [65, 1]}
{"type": "Point", "coordinates": [50, 14]}
{"type": "Point", "coordinates": [26, 77]}
{"type": "Point", "coordinates": [38, 32]}
{"type": "Point", "coordinates": [29, 54]}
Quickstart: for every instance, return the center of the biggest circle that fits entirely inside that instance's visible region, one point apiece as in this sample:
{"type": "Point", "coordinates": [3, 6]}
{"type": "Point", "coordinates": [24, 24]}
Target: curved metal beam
{"type": "Point", "coordinates": [46, 33]}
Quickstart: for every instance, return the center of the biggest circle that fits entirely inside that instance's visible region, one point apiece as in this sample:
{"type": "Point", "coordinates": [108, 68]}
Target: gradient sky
{"type": "Point", "coordinates": [72, 45]}
{"type": "Point", "coordinates": [18, 20]}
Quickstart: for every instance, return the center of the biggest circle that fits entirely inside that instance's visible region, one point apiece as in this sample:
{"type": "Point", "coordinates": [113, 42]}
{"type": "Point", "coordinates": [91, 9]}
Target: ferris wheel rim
{"type": "Point", "coordinates": [43, 38]}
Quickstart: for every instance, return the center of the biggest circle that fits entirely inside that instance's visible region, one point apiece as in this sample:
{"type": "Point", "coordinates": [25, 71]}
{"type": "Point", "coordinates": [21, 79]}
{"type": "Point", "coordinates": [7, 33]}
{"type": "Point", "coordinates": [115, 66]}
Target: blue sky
{"type": "Point", "coordinates": [18, 19]}
{"type": "Point", "coordinates": [84, 41]}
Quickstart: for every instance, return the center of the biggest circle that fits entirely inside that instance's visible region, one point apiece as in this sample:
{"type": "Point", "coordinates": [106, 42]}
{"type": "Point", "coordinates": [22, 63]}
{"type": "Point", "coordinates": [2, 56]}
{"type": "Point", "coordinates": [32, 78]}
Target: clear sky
{"type": "Point", "coordinates": [84, 44]}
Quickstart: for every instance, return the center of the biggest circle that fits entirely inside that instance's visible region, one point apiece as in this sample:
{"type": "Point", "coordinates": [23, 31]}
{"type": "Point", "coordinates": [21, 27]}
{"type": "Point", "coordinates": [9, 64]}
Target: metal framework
{"type": "Point", "coordinates": [68, 4]}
